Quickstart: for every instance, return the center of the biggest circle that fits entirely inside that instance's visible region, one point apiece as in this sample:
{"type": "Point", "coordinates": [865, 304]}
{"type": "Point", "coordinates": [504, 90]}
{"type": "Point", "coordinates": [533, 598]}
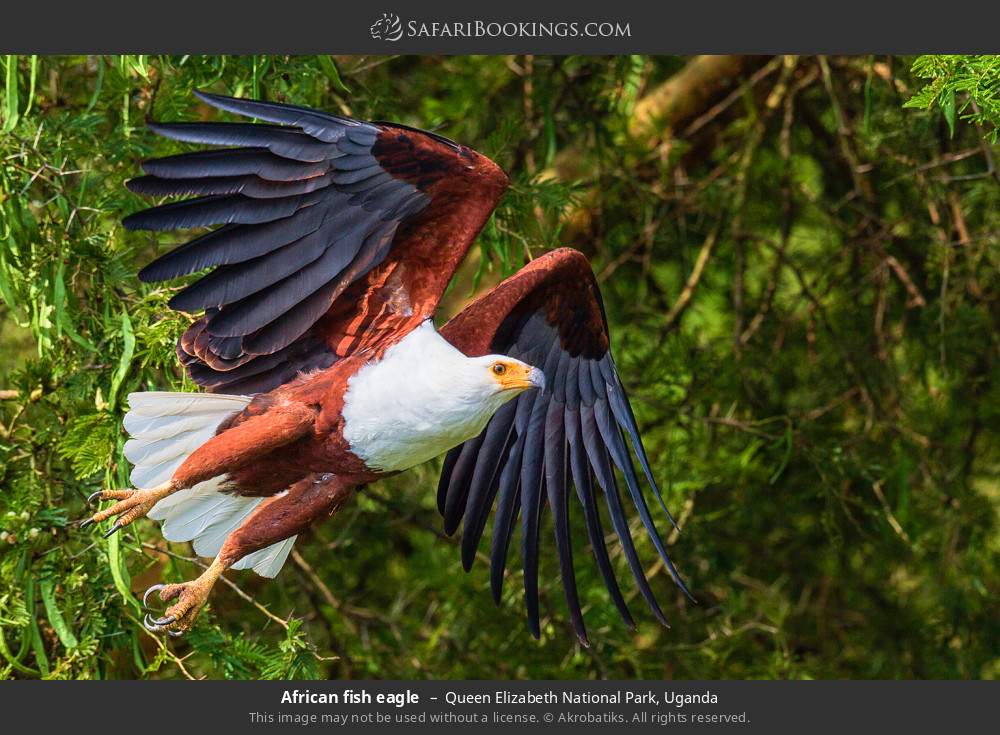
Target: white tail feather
{"type": "Point", "coordinates": [226, 520]}
{"type": "Point", "coordinates": [268, 561]}
{"type": "Point", "coordinates": [165, 429]}
{"type": "Point", "coordinates": [163, 449]}
{"type": "Point", "coordinates": [190, 519]}
{"type": "Point", "coordinates": [159, 427]}
{"type": "Point", "coordinates": [167, 403]}
{"type": "Point", "coordinates": [161, 510]}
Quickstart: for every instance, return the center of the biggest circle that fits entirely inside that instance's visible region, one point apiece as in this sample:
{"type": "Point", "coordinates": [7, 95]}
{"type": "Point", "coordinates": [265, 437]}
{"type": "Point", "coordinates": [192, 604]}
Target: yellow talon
{"type": "Point", "coordinates": [132, 504]}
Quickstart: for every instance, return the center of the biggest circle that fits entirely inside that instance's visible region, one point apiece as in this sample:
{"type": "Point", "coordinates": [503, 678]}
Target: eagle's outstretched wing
{"type": "Point", "coordinates": [550, 314]}
{"type": "Point", "coordinates": [335, 233]}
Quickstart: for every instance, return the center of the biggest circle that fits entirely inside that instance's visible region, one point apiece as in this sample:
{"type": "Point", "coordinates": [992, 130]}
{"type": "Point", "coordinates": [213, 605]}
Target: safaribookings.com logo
{"type": "Point", "coordinates": [387, 28]}
{"type": "Point", "coordinates": [390, 28]}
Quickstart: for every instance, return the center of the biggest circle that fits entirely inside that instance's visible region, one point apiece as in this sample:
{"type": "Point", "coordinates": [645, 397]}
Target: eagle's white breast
{"type": "Point", "coordinates": [420, 400]}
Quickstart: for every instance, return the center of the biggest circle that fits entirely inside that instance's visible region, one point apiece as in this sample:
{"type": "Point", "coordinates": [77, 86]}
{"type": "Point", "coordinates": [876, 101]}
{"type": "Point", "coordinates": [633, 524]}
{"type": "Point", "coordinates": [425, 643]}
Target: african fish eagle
{"type": "Point", "coordinates": [325, 372]}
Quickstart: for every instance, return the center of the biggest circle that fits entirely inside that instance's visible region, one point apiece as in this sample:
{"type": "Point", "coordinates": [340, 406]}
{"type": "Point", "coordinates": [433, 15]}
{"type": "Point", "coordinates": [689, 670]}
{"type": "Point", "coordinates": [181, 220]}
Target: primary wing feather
{"type": "Point", "coordinates": [307, 204]}
{"type": "Point", "coordinates": [578, 429]}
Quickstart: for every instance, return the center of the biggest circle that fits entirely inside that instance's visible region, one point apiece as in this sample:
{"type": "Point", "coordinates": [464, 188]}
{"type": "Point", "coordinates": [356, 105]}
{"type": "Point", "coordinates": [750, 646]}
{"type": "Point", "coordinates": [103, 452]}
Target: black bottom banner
{"type": "Point", "coordinates": [537, 706]}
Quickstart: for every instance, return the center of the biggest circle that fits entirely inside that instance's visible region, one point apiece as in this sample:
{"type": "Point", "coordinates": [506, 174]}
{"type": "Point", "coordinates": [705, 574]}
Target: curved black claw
{"type": "Point", "coordinates": [158, 625]}
{"type": "Point", "coordinates": [118, 525]}
{"type": "Point", "coordinates": [94, 496]}
{"type": "Point", "coordinates": [151, 590]}
{"type": "Point", "coordinates": [86, 522]}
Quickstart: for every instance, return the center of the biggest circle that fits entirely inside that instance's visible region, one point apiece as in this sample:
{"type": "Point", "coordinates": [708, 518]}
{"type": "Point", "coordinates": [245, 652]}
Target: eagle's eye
{"type": "Point", "coordinates": [499, 368]}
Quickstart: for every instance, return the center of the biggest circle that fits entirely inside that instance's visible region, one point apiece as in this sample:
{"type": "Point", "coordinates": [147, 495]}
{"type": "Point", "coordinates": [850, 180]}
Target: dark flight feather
{"type": "Point", "coordinates": [626, 419]}
{"type": "Point", "coordinates": [531, 505]}
{"type": "Point", "coordinates": [216, 210]}
{"type": "Point", "coordinates": [293, 323]}
{"type": "Point", "coordinates": [582, 480]}
{"type": "Point", "coordinates": [306, 209]}
{"type": "Point", "coordinates": [232, 283]}
{"type": "Point", "coordinates": [598, 455]}
{"type": "Point", "coordinates": [612, 437]}
{"type": "Point", "coordinates": [261, 308]}
{"type": "Point", "coordinates": [233, 244]}
{"type": "Point", "coordinates": [454, 507]}
{"type": "Point", "coordinates": [281, 141]}
{"type": "Point", "coordinates": [509, 497]}
{"type": "Point", "coordinates": [550, 315]}
{"type": "Point", "coordinates": [497, 438]}
{"type": "Point", "coordinates": [234, 162]}
{"type": "Point", "coordinates": [247, 185]}
{"type": "Point", "coordinates": [320, 125]}
{"type": "Point", "coordinates": [558, 497]}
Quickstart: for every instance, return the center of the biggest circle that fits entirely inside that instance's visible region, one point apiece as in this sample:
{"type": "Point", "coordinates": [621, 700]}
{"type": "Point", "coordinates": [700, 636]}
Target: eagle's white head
{"type": "Point", "coordinates": [425, 397]}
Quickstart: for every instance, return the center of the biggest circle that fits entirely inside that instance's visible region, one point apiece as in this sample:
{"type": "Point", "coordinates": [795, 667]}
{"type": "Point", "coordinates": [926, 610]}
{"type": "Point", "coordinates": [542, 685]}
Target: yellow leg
{"type": "Point", "coordinates": [132, 504]}
{"type": "Point", "coordinates": [191, 597]}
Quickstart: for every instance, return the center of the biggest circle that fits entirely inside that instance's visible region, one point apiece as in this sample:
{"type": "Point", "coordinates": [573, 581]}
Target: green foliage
{"type": "Point", "coordinates": [89, 441]}
{"type": "Point", "coordinates": [823, 412]}
{"type": "Point", "coordinates": [962, 86]}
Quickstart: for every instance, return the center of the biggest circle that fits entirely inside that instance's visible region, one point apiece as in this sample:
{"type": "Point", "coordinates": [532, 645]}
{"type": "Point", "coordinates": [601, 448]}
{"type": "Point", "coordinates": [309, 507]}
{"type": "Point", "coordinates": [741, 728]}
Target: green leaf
{"type": "Point", "coordinates": [125, 361]}
{"type": "Point", "coordinates": [10, 85]}
{"type": "Point", "coordinates": [330, 69]}
{"type": "Point", "coordinates": [948, 107]}
{"type": "Point", "coordinates": [66, 636]}
{"type": "Point", "coordinates": [98, 84]}
{"type": "Point", "coordinates": [12, 659]}
{"type": "Point", "coordinates": [119, 573]}
{"type": "Point", "coordinates": [36, 635]}
{"type": "Point", "coordinates": [788, 442]}
{"type": "Point", "coordinates": [31, 84]}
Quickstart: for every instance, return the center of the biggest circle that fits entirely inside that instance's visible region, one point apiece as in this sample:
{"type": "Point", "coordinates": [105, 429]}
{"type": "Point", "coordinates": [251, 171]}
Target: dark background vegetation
{"type": "Point", "coordinates": [799, 260]}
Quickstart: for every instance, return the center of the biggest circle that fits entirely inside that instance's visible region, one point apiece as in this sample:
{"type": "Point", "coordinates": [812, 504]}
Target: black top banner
{"type": "Point", "coordinates": [451, 27]}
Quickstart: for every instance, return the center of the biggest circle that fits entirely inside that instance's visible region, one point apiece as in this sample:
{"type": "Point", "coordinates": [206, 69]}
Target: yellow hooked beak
{"type": "Point", "coordinates": [517, 376]}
